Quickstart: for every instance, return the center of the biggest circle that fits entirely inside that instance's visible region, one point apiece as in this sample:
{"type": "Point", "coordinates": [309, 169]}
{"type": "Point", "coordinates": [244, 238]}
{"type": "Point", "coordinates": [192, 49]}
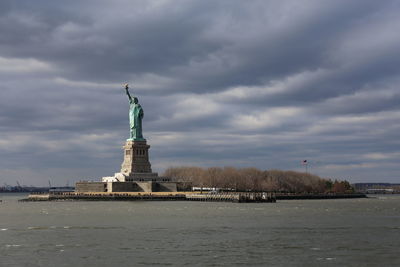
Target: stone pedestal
{"type": "Point", "coordinates": [136, 174]}
{"type": "Point", "coordinates": [136, 165]}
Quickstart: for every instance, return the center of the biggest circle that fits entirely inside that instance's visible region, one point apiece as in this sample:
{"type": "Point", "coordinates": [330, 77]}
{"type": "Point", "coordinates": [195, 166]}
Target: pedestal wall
{"type": "Point", "coordinates": [136, 158]}
{"type": "Point", "coordinates": [90, 187]}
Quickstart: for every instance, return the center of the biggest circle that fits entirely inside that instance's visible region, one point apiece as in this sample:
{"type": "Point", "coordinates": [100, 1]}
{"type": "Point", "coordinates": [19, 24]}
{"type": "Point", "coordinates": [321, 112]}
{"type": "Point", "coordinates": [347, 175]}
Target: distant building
{"type": "Point", "coordinates": [377, 188]}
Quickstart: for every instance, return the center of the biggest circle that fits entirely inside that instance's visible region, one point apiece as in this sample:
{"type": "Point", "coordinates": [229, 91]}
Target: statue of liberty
{"type": "Point", "coordinates": [135, 117]}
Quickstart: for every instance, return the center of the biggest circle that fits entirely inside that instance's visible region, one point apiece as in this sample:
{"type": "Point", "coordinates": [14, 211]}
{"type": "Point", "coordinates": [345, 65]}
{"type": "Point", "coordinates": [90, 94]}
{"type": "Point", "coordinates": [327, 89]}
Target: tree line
{"type": "Point", "coordinates": [253, 179]}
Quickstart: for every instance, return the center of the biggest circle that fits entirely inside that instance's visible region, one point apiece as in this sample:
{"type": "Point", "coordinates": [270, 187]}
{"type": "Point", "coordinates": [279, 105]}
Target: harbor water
{"type": "Point", "coordinates": [341, 232]}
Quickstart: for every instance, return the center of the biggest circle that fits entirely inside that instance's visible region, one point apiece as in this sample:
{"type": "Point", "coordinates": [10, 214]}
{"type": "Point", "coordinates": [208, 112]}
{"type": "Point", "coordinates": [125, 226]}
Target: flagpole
{"type": "Point", "coordinates": [305, 163]}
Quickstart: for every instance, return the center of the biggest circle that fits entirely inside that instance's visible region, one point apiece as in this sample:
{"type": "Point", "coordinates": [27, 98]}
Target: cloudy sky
{"type": "Point", "coordinates": [222, 83]}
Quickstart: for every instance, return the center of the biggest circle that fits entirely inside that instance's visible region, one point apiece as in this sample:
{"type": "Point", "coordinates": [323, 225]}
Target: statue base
{"type": "Point", "coordinates": [136, 165]}
{"type": "Point", "coordinates": [136, 158]}
{"type": "Point", "coordinates": [136, 174]}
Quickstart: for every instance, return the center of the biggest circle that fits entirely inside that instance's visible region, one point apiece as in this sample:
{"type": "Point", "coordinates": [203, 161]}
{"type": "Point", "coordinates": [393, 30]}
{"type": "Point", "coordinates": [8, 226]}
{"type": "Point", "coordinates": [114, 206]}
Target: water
{"type": "Point", "coordinates": [346, 232]}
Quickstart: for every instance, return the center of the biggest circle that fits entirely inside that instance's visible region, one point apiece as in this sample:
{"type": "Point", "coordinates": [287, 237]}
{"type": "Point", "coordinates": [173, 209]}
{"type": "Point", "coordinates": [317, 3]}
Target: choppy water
{"type": "Point", "coordinates": [352, 232]}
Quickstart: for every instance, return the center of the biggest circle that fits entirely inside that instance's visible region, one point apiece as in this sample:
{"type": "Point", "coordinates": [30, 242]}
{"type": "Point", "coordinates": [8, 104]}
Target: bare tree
{"type": "Point", "coordinates": [253, 179]}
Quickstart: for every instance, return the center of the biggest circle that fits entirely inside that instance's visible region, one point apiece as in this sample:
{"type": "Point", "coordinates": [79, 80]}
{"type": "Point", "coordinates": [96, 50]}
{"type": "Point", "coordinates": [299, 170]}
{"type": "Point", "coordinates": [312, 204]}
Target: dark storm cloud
{"type": "Point", "coordinates": [114, 42]}
{"type": "Point", "coordinates": [245, 83]}
{"type": "Point", "coordinates": [205, 46]}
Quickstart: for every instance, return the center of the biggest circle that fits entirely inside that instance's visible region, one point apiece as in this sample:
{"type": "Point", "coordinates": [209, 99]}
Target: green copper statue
{"type": "Point", "coordinates": [135, 117]}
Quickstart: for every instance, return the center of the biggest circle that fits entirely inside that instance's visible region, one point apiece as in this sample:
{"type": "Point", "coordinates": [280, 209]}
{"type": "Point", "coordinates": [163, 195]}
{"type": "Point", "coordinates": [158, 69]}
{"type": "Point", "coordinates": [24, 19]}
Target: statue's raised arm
{"type": "Point", "coordinates": [127, 92]}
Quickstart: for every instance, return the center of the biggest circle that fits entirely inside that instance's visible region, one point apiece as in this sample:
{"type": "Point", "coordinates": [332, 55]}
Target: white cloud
{"type": "Point", "coordinates": [341, 167]}
{"type": "Point", "coordinates": [382, 156]}
{"type": "Point", "coordinates": [270, 117]}
{"type": "Point", "coordinates": [193, 107]}
{"type": "Point", "coordinates": [288, 84]}
{"type": "Point", "coordinates": [23, 65]}
{"type": "Point", "coordinates": [363, 123]}
{"type": "Point", "coordinates": [67, 82]}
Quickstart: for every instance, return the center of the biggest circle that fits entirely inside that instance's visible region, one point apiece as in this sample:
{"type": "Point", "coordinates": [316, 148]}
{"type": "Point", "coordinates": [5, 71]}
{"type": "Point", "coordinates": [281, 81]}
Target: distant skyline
{"type": "Point", "coordinates": [263, 84]}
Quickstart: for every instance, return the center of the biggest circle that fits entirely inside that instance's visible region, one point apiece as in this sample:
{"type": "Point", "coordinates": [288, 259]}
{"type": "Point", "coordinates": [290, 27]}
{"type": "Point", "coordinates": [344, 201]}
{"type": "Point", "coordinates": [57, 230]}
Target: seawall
{"type": "Point", "coordinates": [243, 197]}
{"type": "Point", "coordinates": [154, 196]}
